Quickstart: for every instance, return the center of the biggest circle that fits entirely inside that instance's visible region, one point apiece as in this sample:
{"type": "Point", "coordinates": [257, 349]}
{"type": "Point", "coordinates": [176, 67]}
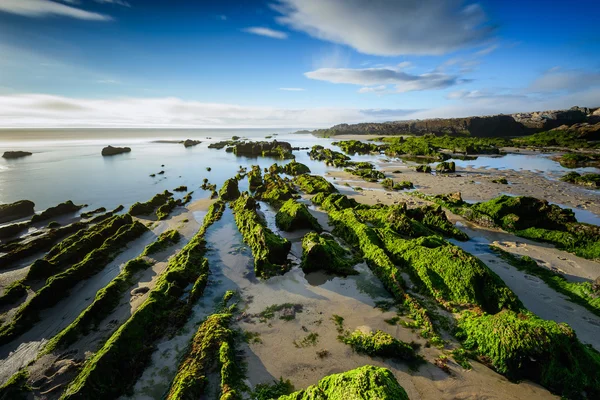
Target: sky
{"type": "Point", "coordinates": [290, 63]}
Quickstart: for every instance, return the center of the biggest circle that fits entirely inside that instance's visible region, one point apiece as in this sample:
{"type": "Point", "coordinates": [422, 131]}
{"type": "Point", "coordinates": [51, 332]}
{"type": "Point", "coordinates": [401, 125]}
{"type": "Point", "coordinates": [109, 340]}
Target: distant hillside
{"type": "Point", "coordinates": [490, 126]}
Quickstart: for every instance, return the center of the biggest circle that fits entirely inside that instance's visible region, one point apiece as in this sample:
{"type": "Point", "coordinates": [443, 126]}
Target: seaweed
{"type": "Point", "coordinates": [585, 293]}
{"type": "Point", "coordinates": [322, 252]}
{"type": "Point", "coordinates": [312, 184]}
{"type": "Point", "coordinates": [381, 344]}
{"type": "Point", "coordinates": [148, 207]}
{"type": "Point", "coordinates": [58, 286]}
{"type": "Point", "coordinates": [269, 250]}
{"type": "Point", "coordinates": [165, 240]}
{"type": "Point", "coordinates": [229, 191]}
{"type": "Point", "coordinates": [275, 190]}
{"type": "Point", "coordinates": [589, 180]}
{"type": "Point", "coordinates": [523, 346]}
{"type": "Point", "coordinates": [68, 207]}
{"type": "Point", "coordinates": [293, 215]}
{"type": "Point", "coordinates": [115, 367]}
{"type": "Point", "coordinates": [449, 274]}
{"type": "Point", "coordinates": [268, 391]}
{"type": "Point", "coordinates": [366, 382]}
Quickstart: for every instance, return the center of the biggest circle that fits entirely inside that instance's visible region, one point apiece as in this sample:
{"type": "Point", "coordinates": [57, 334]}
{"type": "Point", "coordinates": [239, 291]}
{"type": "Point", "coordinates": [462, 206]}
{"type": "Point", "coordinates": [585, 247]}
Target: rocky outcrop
{"type": "Point", "coordinates": [190, 142]}
{"type": "Point", "coordinates": [489, 126]}
{"type": "Point", "coordinates": [16, 210]}
{"type": "Point", "coordinates": [111, 151]}
{"type": "Point", "coordinates": [15, 154]}
{"type": "Point", "coordinates": [68, 207]}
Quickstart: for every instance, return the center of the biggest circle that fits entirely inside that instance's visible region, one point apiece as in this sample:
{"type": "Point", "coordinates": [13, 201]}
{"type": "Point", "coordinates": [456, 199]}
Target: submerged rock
{"type": "Point", "coordinates": [16, 210]}
{"type": "Point", "coordinates": [111, 151]}
{"type": "Point", "coordinates": [15, 154]}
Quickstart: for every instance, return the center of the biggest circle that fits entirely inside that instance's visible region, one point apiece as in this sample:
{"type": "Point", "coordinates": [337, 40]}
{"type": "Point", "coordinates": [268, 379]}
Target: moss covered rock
{"type": "Point", "coordinates": [380, 344]}
{"type": "Point", "coordinates": [334, 201]}
{"type": "Point", "coordinates": [255, 177]}
{"type": "Point", "coordinates": [293, 215]}
{"type": "Point", "coordinates": [322, 252]}
{"type": "Point", "coordinates": [364, 383]}
{"type": "Point", "coordinates": [275, 190]}
{"type": "Point", "coordinates": [423, 168]}
{"type": "Point", "coordinates": [229, 191]}
{"type": "Point", "coordinates": [16, 210]}
{"type": "Point", "coordinates": [312, 184]}
{"type": "Point", "coordinates": [445, 167]}
{"type": "Point", "coordinates": [449, 274]}
{"type": "Point", "coordinates": [149, 206]}
{"type": "Point", "coordinates": [68, 207]}
{"type": "Point", "coordinates": [270, 251]}
{"type": "Point", "coordinates": [523, 346]}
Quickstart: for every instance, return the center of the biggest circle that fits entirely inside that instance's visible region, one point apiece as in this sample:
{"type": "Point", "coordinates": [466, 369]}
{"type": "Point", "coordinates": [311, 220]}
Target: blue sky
{"type": "Point", "coordinates": [290, 63]}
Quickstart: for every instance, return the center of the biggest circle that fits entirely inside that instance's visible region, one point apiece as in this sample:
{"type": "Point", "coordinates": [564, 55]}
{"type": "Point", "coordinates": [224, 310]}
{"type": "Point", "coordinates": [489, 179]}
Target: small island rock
{"type": "Point", "coordinates": [16, 154]}
{"type": "Point", "coordinates": [111, 151]}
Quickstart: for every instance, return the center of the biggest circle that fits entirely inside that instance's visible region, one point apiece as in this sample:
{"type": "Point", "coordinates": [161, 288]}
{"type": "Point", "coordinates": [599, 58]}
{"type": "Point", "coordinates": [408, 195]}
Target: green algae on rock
{"type": "Point", "coordinates": [381, 344]}
{"type": "Point", "coordinates": [589, 180]}
{"type": "Point", "coordinates": [255, 177]}
{"type": "Point", "coordinates": [294, 215]}
{"type": "Point", "coordinates": [270, 250]}
{"type": "Point", "coordinates": [115, 367]}
{"type": "Point", "coordinates": [16, 210]}
{"type": "Point", "coordinates": [312, 184]}
{"type": "Point", "coordinates": [357, 147]}
{"type": "Point", "coordinates": [58, 286]}
{"type": "Point", "coordinates": [275, 190]}
{"type": "Point", "coordinates": [68, 207]}
{"type": "Point", "coordinates": [165, 240]}
{"type": "Point", "coordinates": [449, 274]}
{"type": "Point", "coordinates": [330, 157]}
{"type": "Point", "coordinates": [274, 148]}
{"type": "Point", "coordinates": [334, 201]}
{"type": "Point", "coordinates": [445, 167]}
{"type": "Point", "coordinates": [523, 346]}
{"type": "Point", "coordinates": [229, 191]}
{"type": "Point", "coordinates": [423, 168]}
{"type": "Point", "coordinates": [364, 383]}
{"type": "Point", "coordinates": [322, 252]}
{"type": "Point", "coordinates": [148, 207]}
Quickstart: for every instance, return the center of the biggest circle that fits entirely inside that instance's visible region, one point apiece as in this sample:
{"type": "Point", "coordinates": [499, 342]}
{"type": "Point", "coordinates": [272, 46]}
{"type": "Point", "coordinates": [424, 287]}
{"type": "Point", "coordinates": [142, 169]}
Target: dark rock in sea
{"type": "Point", "coordinates": [111, 151]}
{"type": "Point", "coordinates": [181, 188]}
{"type": "Point", "coordinates": [63, 208]}
{"type": "Point", "coordinates": [13, 229]}
{"type": "Point", "coordinates": [16, 154]}
{"type": "Point", "coordinates": [152, 175]}
{"type": "Point", "coordinates": [161, 173]}
{"type": "Point", "coordinates": [190, 142]}
{"type": "Point", "coordinates": [16, 210]}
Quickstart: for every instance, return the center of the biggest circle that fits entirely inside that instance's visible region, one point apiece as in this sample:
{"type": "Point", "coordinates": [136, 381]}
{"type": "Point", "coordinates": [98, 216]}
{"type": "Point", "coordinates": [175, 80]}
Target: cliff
{"type": "Point", "coordinates": [489, 126]}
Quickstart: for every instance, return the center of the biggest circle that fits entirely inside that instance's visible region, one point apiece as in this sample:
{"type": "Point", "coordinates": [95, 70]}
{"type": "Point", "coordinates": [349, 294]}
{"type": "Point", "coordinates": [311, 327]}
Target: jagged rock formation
{"type": "Point", "coordinates": [16, 154]}
{"type": "Point", "coordinates": [111, 151]}
{"type": "Point", "coordinates": [190, 142]}
{"type": "Point", "coordinates": [577, 118]}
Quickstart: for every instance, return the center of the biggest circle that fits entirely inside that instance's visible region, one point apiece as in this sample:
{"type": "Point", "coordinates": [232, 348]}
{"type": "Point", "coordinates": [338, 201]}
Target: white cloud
{"type": "Point", "coordinates": [292, 89]}
{"type": "Point", "coordinates": [117, 2]}
{"type": "Point", "coordinates": [257, 30]}
{"type": "Point", "coordinates": [389, 27]}
{"type": "Point", "coordinates": [44, 8]}
{"type": "Point", "coordinates": [487, 50]}
{"type": "Point", "coordinates": [557, 79]}
{"type": "Point", "coordinates": [373, 89]}
{"type": "Point", "coordinates": [405, 65]}
{"type": "Point", "coordinates": [383, 76]}
{"type": "Point", "coordinates": [45, 111]}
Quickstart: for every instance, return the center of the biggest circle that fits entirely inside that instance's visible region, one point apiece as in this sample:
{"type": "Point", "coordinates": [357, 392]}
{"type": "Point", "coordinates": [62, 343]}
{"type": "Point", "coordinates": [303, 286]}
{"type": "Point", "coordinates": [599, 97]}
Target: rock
{"type": "Point", "coordinates": [15, 154]}
{"type": "Point", "coordinates": [111, 151]}
{"type": "Point", "coordinates": [16, 210]}
{"type": "Point", "coordinates": [63, 208]}
{"type": "Point", "coordinates": [190, 142]}
{"type": "Point", "coordinates": [140, 290]}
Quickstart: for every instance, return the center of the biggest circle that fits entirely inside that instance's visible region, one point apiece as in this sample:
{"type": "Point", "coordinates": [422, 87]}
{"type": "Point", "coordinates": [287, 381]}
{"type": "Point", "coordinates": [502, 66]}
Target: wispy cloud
{"type": "Point", "coordinates": [487, 50]}
{"type": "Point", "coordinates": [45, 8]}
{"type": "Point", "coordinates": [389, 27]}
{"type": "Point", "coordinates": [292, 89]}
{"type": "Point", "coordinates": [557, 80]}
{"type": "Point", "coordinates": [268, 32]}
{"type": "Point", "coordinates": [117, 2]}
{"type": "Point", "coordinates": [108, 81]}
{"type": "Point", "coordinates": [403, 81]}
{"type": "Point", "coordinates": [36, 110]}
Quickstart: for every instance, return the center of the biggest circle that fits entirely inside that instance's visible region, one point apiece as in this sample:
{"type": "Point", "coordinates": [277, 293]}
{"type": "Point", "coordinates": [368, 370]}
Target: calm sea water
{"type": "Point", "coordinates": [67, 164]}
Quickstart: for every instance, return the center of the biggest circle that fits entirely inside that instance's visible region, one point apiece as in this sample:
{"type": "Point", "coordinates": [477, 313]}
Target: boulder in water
{"type": "Point", "coordinates": [16, 154]}
{"type": "Point", "coordinates": [16, 210]}
{"type": "Point", "coordinates": [111, 151]}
